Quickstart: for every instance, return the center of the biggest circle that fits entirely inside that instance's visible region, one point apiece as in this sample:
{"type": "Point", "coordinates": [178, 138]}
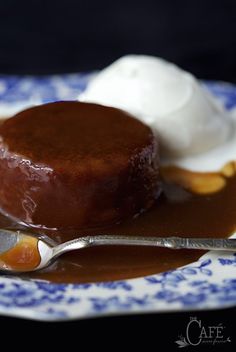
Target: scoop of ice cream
{"type": "Point", "coordinates": [186, 117]}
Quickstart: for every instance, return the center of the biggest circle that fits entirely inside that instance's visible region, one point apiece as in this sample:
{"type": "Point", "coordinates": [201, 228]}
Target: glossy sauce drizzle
{"type": "Point", "coordinates": [178, 212]}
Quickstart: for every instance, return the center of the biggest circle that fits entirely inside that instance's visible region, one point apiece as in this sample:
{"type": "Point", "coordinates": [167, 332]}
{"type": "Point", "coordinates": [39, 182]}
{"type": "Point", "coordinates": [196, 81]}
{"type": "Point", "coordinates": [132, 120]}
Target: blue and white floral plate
{"type": "Point", "coordinates": [208, 283]}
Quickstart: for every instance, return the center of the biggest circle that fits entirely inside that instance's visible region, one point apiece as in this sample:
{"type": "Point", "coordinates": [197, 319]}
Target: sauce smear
{"type": "Point", "coordinates": [177, 213]}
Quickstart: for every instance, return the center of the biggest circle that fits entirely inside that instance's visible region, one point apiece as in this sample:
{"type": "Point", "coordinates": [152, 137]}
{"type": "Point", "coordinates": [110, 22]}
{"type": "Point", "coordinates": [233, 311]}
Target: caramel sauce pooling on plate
{"type": "Point", "coordinates": [192, 204]}
{"type": "Point", "coordinates": [178, 212]}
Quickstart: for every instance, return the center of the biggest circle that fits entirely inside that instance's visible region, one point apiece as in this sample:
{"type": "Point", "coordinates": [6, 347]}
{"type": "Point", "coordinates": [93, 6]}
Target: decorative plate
{"type": "Point", "coordinates": [208, 283]}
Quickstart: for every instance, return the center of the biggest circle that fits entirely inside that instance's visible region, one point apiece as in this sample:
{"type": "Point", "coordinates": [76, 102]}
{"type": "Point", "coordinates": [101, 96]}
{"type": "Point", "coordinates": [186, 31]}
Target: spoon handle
{"type": "Point", "coordinates": [168, 242]}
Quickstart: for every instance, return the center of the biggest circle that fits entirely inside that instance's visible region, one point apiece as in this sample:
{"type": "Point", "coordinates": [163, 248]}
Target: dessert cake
{"type": "Point", "coordinates": [71, 165]}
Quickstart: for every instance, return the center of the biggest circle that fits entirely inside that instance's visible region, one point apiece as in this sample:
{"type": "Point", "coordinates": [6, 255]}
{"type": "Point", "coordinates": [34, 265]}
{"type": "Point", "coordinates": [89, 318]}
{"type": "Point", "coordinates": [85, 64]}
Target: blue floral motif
{"type": "Point", "coordinates": [111, 285]}
{"type": "Point", "coordinates": [208, 283]}
{"type": "Point", "coordinates": [173, 278]}
{"type": "Point", "coordinates": [33, 294]}
{"type": "Point", "coordinates": [114, 285]}
{"type": "Point", "coordinates": [226, 92]}
{"type": "Point", "coordinates": [60, 314]}
{"type": "Point", "coordinates": [14, 89]}
{"type": "Point", "coordinates": [127, 303]}
{"type": "Point", "coordinates": [226, 261]}
{"type": "Point", "coordinates": [51, 288]}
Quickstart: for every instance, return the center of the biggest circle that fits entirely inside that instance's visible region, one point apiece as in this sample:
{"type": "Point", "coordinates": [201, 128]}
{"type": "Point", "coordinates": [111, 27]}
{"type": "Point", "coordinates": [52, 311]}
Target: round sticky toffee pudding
{"type": "Point", "coordinates": [71, 165]}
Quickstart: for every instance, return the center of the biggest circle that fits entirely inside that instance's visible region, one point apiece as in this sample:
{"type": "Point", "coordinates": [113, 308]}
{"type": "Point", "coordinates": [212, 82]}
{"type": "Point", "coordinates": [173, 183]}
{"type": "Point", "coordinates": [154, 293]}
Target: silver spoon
{"type": "Point", "coordinates": [24, 252]}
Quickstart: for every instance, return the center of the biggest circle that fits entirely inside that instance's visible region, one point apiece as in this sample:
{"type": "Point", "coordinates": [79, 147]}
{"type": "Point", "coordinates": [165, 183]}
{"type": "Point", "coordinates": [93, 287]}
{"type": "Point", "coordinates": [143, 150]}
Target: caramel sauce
{"type": "Point", "coordinates": [23, 256]}
{"type": "Point", "coordinates": [178, 212]}
{"type": "Point", "coordinates": [192, 204]}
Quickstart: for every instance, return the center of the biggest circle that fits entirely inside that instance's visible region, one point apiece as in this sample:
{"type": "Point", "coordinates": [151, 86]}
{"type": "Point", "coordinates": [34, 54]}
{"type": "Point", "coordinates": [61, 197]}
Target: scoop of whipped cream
{"type": "Point", "coordinates": [187, 119]}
